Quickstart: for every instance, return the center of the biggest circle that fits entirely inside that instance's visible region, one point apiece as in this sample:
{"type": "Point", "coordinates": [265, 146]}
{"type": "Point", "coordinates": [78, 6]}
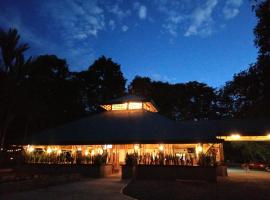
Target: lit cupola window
{"type": "Point", "coordinates": [130, 103]}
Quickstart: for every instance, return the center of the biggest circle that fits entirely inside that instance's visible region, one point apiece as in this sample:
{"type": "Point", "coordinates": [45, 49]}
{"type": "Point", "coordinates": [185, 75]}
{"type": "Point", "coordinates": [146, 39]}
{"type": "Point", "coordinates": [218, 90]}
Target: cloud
{"type": "Point", "coordinates": [115, 9]}
{"type": "Point", "coordinates": [142, 12]}
{"type": "Point", "coordinates": [201, 20]}
{"type": "Point", "coordinates": [171, 29]}
{"type": "Point", "coordinates": [27, 34]}
{"type": "Point", "coordinates": [231, 8]}
{"type": "Point", "coordinates": [76, 19]}
{"type": "Point", "coordinates": [112, 24]}
{"type": "Point", "coordinates": [124, 28]}
{"type": "Point", "coordinates": [159, 77]}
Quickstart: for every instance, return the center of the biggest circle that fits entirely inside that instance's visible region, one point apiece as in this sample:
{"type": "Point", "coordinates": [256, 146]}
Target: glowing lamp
{"type": "Point", "coordinates": [268, 135]}
{"type": "Point", "coordinates": [136, 147]}
{"type": "Point", "coordinates": [235, 136]}
{"type": "Point", "coordinates": [49, 150]}
{"type": "Point", "coordinates": [100, 151]}
{"type": "Point", "coordinates": [59, 151]}
{"type": "Point", "coordinates": [30, 149]}
{"type": "Point", "coordinates": [199, 149]}
{"type": "Point", "coordinates": [161, 148]}
{"type": "Point", "coordinates": [86, 153]}
{"type": "Point", "coordinates": [93, 152]}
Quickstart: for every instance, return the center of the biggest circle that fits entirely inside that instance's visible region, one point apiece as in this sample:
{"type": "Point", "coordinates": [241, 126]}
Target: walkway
{"type": "Point", "coordinates": [107, 188]}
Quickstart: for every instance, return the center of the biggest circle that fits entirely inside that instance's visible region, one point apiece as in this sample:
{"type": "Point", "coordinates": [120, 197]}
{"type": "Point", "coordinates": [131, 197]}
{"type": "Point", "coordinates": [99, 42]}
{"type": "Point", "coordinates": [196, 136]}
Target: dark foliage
{"type": "Point", "coordinates": [187, 101]}
{"type": "Point", "coordinates": [101, 82]}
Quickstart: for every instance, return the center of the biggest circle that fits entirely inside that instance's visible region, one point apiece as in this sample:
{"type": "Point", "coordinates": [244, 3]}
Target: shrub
{"type": "Point", "coordinates": [206, 160]}
{"type": "Point", "coordinates": [100, 159]}
{"type": "Point", "coordinates": [131, 159]}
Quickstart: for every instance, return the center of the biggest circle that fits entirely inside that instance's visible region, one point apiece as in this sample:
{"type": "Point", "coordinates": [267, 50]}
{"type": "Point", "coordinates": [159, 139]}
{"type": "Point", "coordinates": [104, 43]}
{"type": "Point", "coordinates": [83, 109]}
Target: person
{"type": "Point", "coordinates": [182, 160]}
{"type": "Point", "coordinates": [68, 157]}
{"type": "Point", "coordinates": [246, 167]}
{"type": "Point", "coordinates": [191, 161]}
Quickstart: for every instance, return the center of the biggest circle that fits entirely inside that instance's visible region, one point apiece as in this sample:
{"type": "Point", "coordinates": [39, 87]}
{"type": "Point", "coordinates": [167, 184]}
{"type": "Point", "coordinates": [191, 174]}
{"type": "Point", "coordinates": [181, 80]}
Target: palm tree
{"type": "Point", "coordinates": [12, 62]}
{"type": "Point", "coordinates": [12, 51]}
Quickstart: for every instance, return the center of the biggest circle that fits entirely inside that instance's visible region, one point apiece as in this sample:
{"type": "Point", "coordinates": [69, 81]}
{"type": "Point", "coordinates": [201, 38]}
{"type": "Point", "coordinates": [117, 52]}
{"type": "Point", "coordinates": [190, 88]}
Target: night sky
{"type": "Point", "coordinates": [168, 40]}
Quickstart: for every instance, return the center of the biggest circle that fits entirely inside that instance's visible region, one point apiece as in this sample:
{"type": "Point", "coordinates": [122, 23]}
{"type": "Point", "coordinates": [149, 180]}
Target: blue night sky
{"type": "Point", "coordinates": [168, 40]}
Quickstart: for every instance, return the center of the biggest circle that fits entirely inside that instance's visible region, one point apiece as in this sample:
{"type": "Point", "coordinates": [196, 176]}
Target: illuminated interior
{"type": "Point", "coordinates": [174, 154]}
{"type": "Point", "coordinates": [148, 106]}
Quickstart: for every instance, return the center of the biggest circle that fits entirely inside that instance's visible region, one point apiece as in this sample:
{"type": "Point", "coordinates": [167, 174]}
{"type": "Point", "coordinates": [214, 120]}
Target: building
{"type": "Point", "coordinates": [128, 125]}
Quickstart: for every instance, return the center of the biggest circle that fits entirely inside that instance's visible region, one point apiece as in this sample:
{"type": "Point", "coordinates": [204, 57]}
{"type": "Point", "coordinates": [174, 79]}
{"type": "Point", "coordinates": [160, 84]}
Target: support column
{"type": "Point", "coordinates": [221, 152]}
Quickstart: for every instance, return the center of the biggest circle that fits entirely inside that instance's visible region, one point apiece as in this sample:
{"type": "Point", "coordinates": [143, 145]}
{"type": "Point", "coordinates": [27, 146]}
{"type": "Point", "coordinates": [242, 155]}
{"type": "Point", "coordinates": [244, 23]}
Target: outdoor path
{"type": "Point", "coordinates": [106, 188]}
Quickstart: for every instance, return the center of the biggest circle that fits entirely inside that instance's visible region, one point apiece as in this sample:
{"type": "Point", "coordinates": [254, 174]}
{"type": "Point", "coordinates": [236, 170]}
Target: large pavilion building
{"type": "Point", "coordinates": [128, 125]}
{"type": "Point", "coordinates": [132, 125]}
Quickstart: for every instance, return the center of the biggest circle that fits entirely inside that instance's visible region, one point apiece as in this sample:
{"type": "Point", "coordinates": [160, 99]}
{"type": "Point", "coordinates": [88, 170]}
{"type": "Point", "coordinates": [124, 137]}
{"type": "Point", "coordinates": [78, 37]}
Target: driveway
{"type": "Point", "coordinates": [107, 188]}
{"type": "Point", "coordinates": [253, 185]}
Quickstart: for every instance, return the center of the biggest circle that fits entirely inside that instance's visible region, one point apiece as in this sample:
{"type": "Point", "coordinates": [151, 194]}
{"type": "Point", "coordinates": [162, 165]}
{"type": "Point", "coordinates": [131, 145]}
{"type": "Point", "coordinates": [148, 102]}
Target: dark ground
{"type": "Point", "coordinates": [254, 185]}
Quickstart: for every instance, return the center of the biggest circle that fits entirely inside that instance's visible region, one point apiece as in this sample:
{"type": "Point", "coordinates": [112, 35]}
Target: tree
{"type": "Point", "coordinates": [248, 94]}
{"type": "Point", "coordinates": [51, 96]}
{"type": "Point", "coordinates": [101, 82]}
{"type": "Point", "coordinates": [12, 63]}
{"type": "Point", "coordinates": [189, 101]}
{"type": "Point", "coordinates": [12, 51]}
{"type": "Point", "coordinates": [262, 29]}
{"type": "Point", "coordinates": [140, 86]}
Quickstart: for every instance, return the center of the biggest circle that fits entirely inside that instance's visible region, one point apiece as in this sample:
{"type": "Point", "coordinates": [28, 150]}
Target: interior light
{"type": "Point", "coordinates": [49, 150]}
{"type": "Point", "coordinates": [122, 106]}
{"type": "Point", "coordinates": [86, 152]}
{"type": "Point", "coordinates": [161, 147]}
{"type": "Point", "coordinates": [134, 105]}
{"type": "Point", "coordinates": [199, 149]}
{"type": "Point", "coordinates": [136, 147]}
{"type": "Point", "coordinates": [100, 151]}
{"type": "Point", "coordinates": [30, 148]}
{"type": "Point", "coordinates": [93, 152]}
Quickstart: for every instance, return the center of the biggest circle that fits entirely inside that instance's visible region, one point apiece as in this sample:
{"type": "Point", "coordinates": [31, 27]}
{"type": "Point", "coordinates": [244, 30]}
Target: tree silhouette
{"type": "Point", "coordinates": [11, 70]}
{"type": "Point", "coordinates": [101, 82]}
{"type": "Point", "coordinates": [141, 86]}
{"type": "Point", "coordinates": [12, 51]}
{"type": "Point", "coordinates": [189, 101]}
{"type": "Point", "coordinates": [248, 94]}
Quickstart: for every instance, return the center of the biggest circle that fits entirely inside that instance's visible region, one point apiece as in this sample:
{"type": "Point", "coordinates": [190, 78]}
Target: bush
{"type": "Point", "coordinates": [206, 160]}
{"type": "Point", "coordinates": [131, 159]}
{"type": "Point", "coordinates": [100, 159]}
